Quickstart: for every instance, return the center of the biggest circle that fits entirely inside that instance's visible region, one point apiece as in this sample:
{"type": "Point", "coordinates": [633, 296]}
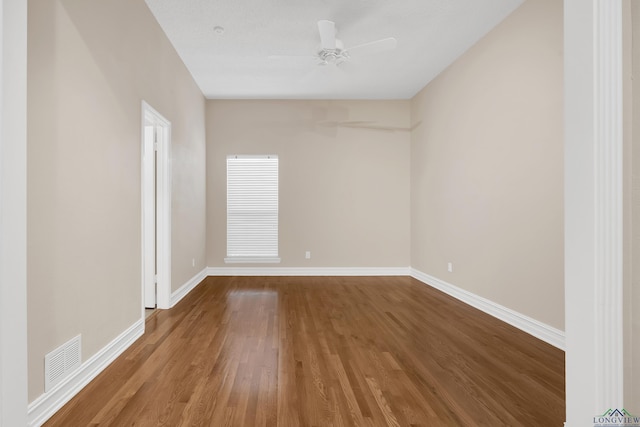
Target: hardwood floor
{"type": "Point", "coordinates": [318, 351]}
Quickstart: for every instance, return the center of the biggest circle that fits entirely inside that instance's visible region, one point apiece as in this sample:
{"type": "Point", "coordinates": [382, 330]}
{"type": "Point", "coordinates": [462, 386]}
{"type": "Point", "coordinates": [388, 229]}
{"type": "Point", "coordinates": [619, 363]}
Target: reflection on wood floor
{"type": "Point", "coordinates": [325, 351]}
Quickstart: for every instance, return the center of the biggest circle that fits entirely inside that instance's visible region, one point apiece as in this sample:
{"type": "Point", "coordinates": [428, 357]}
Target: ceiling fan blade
{"type": "Point", "coordinates": [374, 126]}
{"type": "Point", "coordinates": [327, 30]}
{"type": "Point", "coordinates": [352, 122]}
{"type": "Point", "coordinates": [292, 57]}
{"type": "Point", "coordinates": [373, 47]}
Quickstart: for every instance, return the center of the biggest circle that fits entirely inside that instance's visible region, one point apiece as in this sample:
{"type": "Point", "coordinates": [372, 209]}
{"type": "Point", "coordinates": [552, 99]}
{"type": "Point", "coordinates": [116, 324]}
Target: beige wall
{"type": "Point", "coordinates": [486, 167]}
{"type": "Point", "coordinates": [344, 192]}
{"type": "Point", "coordinates": [91, 63]}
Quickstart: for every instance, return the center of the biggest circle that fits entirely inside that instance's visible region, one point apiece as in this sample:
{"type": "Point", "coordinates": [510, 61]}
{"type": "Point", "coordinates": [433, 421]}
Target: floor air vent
{"type": "Point", "coordinates": [60, 362]}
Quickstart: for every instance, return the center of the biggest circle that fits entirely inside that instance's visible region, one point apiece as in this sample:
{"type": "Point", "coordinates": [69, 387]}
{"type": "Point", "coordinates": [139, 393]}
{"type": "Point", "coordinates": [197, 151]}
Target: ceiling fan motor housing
{"type": "Point", "coordinates": [333, 56]}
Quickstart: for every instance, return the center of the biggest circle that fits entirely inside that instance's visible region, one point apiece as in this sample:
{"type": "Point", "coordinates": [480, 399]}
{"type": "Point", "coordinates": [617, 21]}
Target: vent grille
{"type": "Point", "coordinates": [60, 362]}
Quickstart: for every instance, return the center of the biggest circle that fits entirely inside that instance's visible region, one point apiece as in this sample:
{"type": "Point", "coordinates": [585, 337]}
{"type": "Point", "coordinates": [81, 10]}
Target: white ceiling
{"type": "Point", "coordinates": [430, 35]}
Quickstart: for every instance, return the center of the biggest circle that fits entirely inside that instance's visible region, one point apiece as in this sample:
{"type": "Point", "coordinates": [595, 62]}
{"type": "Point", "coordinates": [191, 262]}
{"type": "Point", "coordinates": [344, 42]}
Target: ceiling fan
{"type": "Point", "coordinates": [332, 50]}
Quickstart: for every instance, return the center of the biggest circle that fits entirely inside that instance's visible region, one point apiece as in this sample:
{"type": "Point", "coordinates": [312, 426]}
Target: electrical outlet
{"type": "Point", "coordinates": [450, 267]}
{"type": "Point", "coordinates": [307, 254]}
{"type": "Point", "coordinates": [193, 262]}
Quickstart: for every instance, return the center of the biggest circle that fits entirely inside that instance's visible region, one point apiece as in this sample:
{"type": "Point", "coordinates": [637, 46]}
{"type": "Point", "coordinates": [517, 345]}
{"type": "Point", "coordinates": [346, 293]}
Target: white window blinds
{"type": "Point", "coordinates": [252, 209]}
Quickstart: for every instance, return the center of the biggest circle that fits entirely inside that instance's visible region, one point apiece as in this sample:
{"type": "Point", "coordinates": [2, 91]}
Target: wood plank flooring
{"type": "Point", "coordinates": [320, 351]}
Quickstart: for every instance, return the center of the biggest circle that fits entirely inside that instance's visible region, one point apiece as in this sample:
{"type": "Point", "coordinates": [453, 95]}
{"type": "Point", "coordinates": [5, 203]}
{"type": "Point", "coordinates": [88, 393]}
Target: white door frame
{"type": "Point", "coordinates": [149, 299]}
{"type": "Point", "coordinates": [594, 240]}
{"type": "Point", "coordinates": [156, 245]}
{"type": "Point", "coordinates": [13, 213]}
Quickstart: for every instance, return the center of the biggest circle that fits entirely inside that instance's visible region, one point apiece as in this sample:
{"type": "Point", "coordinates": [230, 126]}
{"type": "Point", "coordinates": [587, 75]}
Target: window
{"type": "Point", "coordinates": [252, 209]}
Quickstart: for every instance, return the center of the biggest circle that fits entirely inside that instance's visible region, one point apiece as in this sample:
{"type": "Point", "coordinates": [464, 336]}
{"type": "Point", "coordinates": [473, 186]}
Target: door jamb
{"type": "Point", "coordinates": [163, 202]}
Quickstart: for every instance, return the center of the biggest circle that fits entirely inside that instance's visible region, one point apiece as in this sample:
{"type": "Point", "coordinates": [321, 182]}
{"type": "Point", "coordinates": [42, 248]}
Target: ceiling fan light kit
{"type": "Point", "coordinates": [335, 56]}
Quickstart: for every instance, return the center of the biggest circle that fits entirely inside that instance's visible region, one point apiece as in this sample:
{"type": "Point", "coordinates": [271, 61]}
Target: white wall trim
{"type": "Point", "coordinates": [308, 271]}
{"type": "Point", "coordinates": [546, 333]}
{"type": "Point", "coordinates": [593, 189]}
{"type": "Point", "coordinates": [163, 180]}
{"type": "Point", "coordinates": [41, 409]}
{"type": "Point", "coordinates": [164, 185]}
{"type": "Point", "coordinates": [608, 201]}
{"type": "Point", "coordinates": [13, 213]}
{"type": "Point", "coordinates": [184, 290]}
{"type": "Point", "coordinates": [148, 208]}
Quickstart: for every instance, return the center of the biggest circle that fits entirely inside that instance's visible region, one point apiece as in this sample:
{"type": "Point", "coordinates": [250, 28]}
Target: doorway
{"type": "Point", "coordinates": [156, 209]}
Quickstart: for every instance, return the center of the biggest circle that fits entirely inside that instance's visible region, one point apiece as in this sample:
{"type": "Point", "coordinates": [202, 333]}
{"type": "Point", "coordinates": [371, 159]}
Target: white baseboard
{"type": "Point", "coordinates": [546, 333]}
{"type": "Point", "coordinates": [187, 287]}
{"type": "Point", "coordinates": [41, 409]}
{"type": "Point", "coordinates": [308, 271]}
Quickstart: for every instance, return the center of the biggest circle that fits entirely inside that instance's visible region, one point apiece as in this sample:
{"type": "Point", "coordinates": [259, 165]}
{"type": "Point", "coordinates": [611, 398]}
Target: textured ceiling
{"type": "Point", "coordinates": [240, 63]}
